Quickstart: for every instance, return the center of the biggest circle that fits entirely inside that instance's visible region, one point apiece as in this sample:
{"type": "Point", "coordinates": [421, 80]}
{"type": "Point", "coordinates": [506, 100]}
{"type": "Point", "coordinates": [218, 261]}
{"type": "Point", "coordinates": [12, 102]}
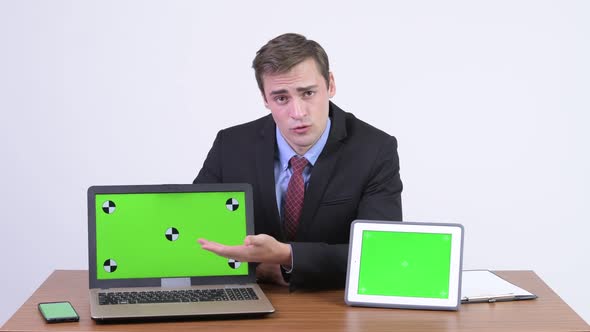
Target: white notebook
{"type": "Point", "coordinates": [485, 286]}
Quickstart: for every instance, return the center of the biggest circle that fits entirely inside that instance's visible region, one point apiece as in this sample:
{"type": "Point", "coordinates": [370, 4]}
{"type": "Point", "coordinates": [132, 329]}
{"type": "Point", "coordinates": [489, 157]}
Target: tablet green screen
{"type": "Point", "coordinates": [405, 264]}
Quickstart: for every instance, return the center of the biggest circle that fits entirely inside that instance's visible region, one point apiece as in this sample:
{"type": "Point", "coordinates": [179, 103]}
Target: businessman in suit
{"type": "Point", "coordinates": [314, 169]}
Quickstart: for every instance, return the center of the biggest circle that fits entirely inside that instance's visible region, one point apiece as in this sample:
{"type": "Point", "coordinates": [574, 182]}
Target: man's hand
{"type": "Point", "coordinates": [259, 248]}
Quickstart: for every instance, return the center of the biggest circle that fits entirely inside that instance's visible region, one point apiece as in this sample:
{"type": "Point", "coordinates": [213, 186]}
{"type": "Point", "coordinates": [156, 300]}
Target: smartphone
{"type": "Point", "coordinates": [55, 312]}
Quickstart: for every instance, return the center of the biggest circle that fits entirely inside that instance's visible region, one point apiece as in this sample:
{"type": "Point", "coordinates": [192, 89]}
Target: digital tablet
{"type": "Point", "coordinates": [404, 265]}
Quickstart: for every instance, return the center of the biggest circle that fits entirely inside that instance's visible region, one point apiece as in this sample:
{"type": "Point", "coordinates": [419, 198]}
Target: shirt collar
{"type": "Point", "coordinates": [286, 152]}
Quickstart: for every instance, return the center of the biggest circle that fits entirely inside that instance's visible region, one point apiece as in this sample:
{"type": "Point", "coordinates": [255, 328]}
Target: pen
{"type": "Point", "coordinates": [491, 298]}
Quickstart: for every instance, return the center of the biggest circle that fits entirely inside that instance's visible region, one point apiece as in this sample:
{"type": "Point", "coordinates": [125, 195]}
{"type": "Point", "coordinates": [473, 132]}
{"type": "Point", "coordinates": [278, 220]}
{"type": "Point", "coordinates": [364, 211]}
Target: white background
{"type": "Point", "coordinates": [490, 102]}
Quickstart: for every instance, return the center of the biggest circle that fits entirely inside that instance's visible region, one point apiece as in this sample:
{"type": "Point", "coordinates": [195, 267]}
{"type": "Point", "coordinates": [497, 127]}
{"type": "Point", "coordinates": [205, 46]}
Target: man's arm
{"type": "Point", "coordinates": [210, 171]}
{"type": "Point", "coordinates": [382, 195]}
{"type": "Point", "coordinates": [321, 265]}
{"type": "Point", "coordinates": [317, 264]}
{"type": "Point", "coordinates": [256, 248]}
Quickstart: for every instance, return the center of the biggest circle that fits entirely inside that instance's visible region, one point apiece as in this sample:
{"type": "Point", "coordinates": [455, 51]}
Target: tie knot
{"type": "Point", "coordinates": [298, 164]}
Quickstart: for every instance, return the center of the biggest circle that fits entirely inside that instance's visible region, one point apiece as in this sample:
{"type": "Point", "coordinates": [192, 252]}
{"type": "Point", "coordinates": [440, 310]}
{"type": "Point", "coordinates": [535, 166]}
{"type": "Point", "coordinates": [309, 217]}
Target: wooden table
{"type": "Point", "coordinates": [322, 311]}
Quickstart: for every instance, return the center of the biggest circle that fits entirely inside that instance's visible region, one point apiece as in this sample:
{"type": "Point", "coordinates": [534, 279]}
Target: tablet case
{"type": "Point", "coordinates": [455, 306]}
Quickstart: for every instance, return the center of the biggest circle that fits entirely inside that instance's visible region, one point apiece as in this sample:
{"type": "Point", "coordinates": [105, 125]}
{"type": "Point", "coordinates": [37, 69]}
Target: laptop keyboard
{"type": "Point", "coordinates": [189, 295]}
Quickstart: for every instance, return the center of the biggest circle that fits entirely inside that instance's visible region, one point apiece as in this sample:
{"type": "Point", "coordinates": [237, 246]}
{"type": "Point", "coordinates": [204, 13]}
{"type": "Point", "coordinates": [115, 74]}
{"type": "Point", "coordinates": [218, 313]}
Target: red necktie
{"type": "Point", "coordinates": [294, 196]}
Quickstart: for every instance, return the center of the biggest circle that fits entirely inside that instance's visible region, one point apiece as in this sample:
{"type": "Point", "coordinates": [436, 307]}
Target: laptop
{"type": "Point", "coordinates": [409, 265]}
{"type": "Point", "coordinates": [144, 261]}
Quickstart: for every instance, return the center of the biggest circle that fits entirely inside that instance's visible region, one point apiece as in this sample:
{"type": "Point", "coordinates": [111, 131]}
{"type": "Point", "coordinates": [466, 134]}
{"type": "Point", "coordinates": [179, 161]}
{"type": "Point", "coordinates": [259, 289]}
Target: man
{"type": "Point", "coordinates": [350, 170]}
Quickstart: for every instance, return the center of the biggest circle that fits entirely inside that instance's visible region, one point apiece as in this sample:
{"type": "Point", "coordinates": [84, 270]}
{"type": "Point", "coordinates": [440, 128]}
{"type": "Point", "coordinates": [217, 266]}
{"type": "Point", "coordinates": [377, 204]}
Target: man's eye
{"type": "Point", "coordinates": [308, 93]}
{"type": "Point", "coordinates": [280, 99]}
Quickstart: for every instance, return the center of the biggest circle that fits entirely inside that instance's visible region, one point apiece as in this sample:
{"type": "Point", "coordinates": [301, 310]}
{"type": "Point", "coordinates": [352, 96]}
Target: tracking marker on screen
{"type": "Point", "coordinates": [234, 264]}
{"type": "Point", "coordinates": [172, 234]}
{"type": "Point", "coordinates": [232, 204]}
{"type": "Point", "coordinates": [110, 265]}
{"type": "Point", "coordinates": [108, 207]}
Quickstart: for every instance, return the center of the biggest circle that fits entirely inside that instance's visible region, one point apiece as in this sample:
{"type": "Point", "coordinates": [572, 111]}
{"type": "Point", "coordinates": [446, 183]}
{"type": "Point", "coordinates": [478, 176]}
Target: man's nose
{"type": "Point", "coordinates": [297, 109]}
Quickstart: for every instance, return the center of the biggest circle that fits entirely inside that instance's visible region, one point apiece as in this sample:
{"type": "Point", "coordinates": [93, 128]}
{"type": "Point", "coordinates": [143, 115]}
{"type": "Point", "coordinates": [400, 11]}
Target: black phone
{"type": "Point", "coordinates": [55, 312]}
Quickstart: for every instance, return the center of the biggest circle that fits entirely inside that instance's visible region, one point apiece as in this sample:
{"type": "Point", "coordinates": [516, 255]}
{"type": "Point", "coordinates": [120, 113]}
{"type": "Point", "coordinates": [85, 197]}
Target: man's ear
{"type": "Point", "coordinates": [332, 86]}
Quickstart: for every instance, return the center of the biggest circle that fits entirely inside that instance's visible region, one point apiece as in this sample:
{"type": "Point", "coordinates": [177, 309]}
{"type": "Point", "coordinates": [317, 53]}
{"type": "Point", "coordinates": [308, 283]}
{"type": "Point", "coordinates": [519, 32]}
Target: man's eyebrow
{"type": "Point", "coordinates": [278, 92]}
{"type": "Point", "coordinates": [307, 88]}
{"type": "Point", "coordinates": [301, 89]}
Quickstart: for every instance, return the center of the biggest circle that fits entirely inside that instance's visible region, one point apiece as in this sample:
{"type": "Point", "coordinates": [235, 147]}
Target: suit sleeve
{"type": "Point", "coordinates": [382, 195]}
{"type": "Point", "coordinates": [211, 170]}
{"type": "Point", "coordinates": [321, 265]}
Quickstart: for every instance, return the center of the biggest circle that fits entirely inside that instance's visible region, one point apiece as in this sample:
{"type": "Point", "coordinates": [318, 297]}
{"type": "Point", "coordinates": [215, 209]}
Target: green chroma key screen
{"type": "Point", "coordinates": [405, 264]}
{"type": "Point", "coordinates": [154, 235]}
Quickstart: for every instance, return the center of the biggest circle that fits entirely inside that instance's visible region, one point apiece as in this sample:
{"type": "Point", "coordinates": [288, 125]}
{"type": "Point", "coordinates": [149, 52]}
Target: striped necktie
{"type": "Point", "coordinates": [294, 196]}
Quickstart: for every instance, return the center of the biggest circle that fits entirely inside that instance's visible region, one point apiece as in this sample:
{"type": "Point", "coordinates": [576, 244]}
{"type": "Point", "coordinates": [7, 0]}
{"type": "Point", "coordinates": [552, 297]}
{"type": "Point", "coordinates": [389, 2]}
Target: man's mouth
{"type": "Point", "coordinates": [300, 129]}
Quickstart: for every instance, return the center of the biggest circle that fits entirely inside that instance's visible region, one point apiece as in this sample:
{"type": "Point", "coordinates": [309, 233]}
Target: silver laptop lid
{"type": "Point", "coordinates": [145, 235]}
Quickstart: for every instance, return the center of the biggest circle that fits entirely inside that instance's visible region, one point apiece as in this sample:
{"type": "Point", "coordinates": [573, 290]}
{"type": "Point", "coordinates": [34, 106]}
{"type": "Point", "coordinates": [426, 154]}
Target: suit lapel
{"type": "Point", "coordinates": [322, 170]}
{"type": "Point", "coordinates": [265, 157]}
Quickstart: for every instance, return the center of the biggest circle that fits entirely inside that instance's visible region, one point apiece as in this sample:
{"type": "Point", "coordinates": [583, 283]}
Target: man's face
{"type": "Point", "coordinates": [299, 103]}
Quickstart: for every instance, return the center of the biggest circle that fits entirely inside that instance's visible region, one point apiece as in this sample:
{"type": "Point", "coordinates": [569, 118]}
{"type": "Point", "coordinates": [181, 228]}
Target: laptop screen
{"type": "Point", "coordinates": [148, 232]}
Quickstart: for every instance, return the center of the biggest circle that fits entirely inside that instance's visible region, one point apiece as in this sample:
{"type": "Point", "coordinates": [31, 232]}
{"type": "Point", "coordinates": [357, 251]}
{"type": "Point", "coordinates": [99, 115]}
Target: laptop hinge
{"type": "Point", "coordinates": [175, 282]}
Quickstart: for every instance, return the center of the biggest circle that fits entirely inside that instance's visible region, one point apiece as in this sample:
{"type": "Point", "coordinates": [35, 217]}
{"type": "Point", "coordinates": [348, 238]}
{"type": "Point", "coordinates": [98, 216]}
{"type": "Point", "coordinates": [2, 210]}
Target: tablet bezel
{"type": "Point", "coordinates": [356, 231]}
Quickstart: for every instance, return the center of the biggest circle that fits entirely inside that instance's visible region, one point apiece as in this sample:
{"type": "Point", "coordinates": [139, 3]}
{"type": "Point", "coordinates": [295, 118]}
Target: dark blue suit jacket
{"type": "Point", "coordinates": [355, 177]}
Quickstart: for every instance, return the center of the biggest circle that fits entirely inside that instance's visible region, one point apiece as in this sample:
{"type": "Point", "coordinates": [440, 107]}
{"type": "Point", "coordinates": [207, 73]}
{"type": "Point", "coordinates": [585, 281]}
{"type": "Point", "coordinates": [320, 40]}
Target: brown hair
{"type": "Point", "coordinates": [286, 51]}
